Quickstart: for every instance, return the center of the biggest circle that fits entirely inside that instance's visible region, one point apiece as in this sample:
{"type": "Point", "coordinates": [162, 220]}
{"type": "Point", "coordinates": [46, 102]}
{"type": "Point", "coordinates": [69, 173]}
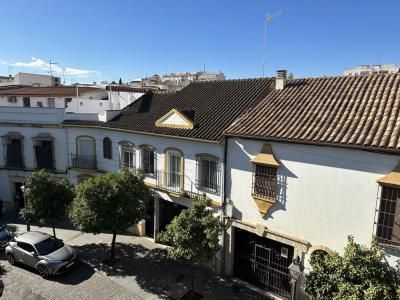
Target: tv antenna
{"type": "Point", "coordinates": [50, 64]}
{"type": "Point", "coordinates": [64, 76]}
{"type": "Point", "coordinates": [268, 19]}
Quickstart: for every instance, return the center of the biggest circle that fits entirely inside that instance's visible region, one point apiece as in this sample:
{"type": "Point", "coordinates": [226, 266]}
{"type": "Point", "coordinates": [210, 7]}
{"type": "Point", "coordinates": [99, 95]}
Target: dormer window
{"type": "Point", "coordinates": [177, 119]}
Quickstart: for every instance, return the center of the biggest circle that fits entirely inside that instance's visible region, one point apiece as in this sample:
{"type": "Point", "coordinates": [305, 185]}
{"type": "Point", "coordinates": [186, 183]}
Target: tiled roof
{"type": "Point", "coordinates": [130, 89]}
{"type": "Point", "coordinates": [353, 111]}
{"type": "Point", "coordinates": [48, 91]}
{"type": "Point", "coordinates": [215, 105]}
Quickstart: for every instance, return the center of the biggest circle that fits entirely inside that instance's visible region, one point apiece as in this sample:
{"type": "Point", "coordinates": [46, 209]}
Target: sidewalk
{"type": "Point", "coordinates": [143, 269]}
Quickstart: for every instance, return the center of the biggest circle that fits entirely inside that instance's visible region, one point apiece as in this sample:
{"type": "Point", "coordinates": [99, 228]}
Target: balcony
{"type": "Point", "coordinates": [170, 181]}
{"type": "Point", "coordinates": [177, 184]}
{"type": "Point", "coordinates": [83, 161]}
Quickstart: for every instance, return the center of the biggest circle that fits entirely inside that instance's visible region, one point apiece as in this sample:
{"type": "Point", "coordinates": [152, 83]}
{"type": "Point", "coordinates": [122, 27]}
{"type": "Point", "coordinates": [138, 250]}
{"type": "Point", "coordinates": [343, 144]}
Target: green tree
{"type": "Point", "coordinates": [120, 81]}
{"type": "Point", "coordinates": [193, 235]}
{"type": "Point", "coordinates": [47, 200]}
{"type": "Point", "coordinates": [111, 202]}
{"type": "Point", "coordinates": [361, 273]}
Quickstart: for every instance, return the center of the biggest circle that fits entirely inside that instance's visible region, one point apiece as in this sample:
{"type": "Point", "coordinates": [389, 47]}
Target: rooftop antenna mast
{"type": "Point", "coordinates": [64, 76]}
{"type": "Point", "coordinates": [268, 19]}
{"type": "Point", "coordinates": [51, 71]}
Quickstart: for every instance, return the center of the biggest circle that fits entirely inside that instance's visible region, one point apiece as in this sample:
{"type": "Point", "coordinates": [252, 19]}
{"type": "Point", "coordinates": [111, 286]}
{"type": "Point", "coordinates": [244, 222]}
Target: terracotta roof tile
{"type": "Point", "coordinates": [214, 105]}
{"type": "Point", "coordinates": [351, 111]}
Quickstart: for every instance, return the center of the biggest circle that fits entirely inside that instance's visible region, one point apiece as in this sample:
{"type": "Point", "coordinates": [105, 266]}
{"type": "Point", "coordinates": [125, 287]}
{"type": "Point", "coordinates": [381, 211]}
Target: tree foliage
{"type": "Point", "coordinates": [361, 273]}
{"type": "Point", "coordinates": [47, 200]}
{"type": "Point", "coordinates": [194, 234]}
{"type": "Point", "coordinates": [111, 202]}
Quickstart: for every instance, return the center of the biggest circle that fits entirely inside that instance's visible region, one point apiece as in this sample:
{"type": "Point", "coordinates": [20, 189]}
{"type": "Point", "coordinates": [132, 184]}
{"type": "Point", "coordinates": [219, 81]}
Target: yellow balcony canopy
{"type": "Point", "coordinates": [266, 157]}
{"type": "Point", "coordinates": [393, 178]}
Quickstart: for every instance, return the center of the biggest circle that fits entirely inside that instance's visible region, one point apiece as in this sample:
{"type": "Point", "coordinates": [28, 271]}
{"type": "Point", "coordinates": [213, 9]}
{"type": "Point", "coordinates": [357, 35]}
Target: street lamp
{"type": "Point", "coordinates": [28, 225]}
{"type": "Point", "coordinates": [295, 271]}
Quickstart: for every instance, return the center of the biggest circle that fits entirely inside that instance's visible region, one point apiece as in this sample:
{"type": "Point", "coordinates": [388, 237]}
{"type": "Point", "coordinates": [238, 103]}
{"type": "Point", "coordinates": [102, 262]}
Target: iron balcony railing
{"type": "Point", "coordinates": [170, 181]}
{"type": "Point", "coordinates": [177, 183]}
{"type": "Point", "coordinates": [83, 161]}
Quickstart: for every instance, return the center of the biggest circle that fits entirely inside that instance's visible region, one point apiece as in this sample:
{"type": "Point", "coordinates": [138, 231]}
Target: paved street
{"type": "Point", "coordinates": [141, 272]}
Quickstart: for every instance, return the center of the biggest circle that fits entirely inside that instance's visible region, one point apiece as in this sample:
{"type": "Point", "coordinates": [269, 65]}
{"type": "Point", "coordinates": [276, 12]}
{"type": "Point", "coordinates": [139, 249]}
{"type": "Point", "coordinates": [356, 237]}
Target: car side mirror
{"type": "Point", "coordinates": [34, 253]}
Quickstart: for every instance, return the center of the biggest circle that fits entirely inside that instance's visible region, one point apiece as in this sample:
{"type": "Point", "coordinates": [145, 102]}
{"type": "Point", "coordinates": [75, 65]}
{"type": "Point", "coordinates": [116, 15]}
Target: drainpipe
{"type": "Point", "coordinates": [222, 271]}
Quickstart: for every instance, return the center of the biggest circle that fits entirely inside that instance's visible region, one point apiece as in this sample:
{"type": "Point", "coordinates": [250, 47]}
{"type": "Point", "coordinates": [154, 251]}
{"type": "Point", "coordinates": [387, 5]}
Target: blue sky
{"type": "Point", "coordinates": [95, 40]}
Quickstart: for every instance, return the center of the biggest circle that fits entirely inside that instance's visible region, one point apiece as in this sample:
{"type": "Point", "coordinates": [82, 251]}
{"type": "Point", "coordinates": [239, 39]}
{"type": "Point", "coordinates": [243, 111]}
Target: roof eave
{"type": "Point", "coordinates": [320, 144]}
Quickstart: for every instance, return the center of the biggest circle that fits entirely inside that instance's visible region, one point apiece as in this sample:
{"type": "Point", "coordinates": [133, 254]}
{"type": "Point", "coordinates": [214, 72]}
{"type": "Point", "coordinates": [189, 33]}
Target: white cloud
{"type": "Point", "coordinates": [38, 63]}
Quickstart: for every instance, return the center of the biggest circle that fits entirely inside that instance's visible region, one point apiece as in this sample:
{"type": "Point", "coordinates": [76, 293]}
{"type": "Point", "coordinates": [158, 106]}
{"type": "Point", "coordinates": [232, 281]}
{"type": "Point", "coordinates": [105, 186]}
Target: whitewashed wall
{"type": "Point", "coordinates": [60, 154]}
{"type": "Point", "coordinates": [324, 193]}
{"type": "Point", "coordinates": [120, 100]}
{"type": "Point", "coordinates": [188, 147]}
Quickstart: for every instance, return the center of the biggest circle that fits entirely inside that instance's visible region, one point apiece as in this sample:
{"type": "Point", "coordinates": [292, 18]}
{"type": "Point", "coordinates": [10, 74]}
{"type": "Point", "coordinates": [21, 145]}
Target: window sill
{"type": "Point", "coordinates": [389, 246]}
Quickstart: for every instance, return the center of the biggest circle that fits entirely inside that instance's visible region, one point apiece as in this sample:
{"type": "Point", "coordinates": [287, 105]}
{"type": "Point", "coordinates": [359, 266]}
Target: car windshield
{"type": "Point", "coordinates": [48, 246]}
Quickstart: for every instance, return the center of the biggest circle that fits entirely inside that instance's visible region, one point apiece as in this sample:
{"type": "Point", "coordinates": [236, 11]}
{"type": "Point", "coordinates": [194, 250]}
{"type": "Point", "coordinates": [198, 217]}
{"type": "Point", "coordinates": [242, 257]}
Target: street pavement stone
{"type": "Point", "coordinates": [142, 271]}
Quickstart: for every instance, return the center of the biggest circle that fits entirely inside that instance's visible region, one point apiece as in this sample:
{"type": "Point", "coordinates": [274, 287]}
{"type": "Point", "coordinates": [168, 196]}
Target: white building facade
{"type": "Point", "coordinates": [305, 170]}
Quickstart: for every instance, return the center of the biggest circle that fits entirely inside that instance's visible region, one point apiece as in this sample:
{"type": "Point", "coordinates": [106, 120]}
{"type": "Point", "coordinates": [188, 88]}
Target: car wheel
{"type": "Point", "coordinates": [43, 271]}
{"type": "Point", "coordinates": [11, 259]}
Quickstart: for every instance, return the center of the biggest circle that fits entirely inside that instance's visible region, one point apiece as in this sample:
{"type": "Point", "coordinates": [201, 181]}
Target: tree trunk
{"type": "Point", "coordinates": [54, 231]}
{"type": "Point", "coordinates": [191, 270]}
{"type": "Point", "coordinates": [113, 245]}
{"type": "Point", "coordinates": [28, 226]}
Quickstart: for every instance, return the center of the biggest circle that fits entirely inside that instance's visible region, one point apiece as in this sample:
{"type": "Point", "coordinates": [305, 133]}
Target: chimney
{"type": "Point", "coordinates": [280, 81]}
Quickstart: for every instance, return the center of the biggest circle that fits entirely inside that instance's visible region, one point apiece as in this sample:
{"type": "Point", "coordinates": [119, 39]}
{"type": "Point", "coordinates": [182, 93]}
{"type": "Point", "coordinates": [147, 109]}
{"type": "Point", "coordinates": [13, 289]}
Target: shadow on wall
{"type": "Point", "coordinates": [335, 157]}
{"type": "Point", "coordinates": [281, 190]}
{"type": "Point", "coordinates": [243, 155]}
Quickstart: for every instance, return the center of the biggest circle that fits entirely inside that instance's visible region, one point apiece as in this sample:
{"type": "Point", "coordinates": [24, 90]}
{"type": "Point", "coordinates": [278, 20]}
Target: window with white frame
{"type": "Point", "coordinates": [128, 155]}
{"type": "Point", "coordinates": [174, 173]}
{"type": "Point", "coordinates": [147, 160]}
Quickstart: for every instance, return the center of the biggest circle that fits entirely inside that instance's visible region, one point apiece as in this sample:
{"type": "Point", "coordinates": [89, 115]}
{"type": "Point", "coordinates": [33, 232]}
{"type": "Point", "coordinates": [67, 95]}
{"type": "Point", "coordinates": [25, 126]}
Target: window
{"type": "Point", "coordinates": [27, 247]}
{"type": "Point", "coordinates": [174, 174]}
{"type": "Point", "coordinates": [49, 245]}
{"type": "Point", "coordinates": [51, 102]}
{"type": "Point", "coordinates": [388, 228]}
{"type": "Point", "coordinates": [85, 157]}
{"type": "Point", "coordinates": [147, 160]}
{"type": "Point", "coordinates": [44, 152]}
{"type": "Point", "coordinates": [39, 104]}
{"type": "Point", "coordinates": [12, 99]}
{"type": "Point", "coordinates": [208, 172]}
{"type": "Point", "coordinates": [27, 101]}
{"type": "Point", "coordinates": [13, 150]}
{"type": "Point", "coordinates": [128, 157]}
{"type": "Point", "coordinates": [107, 148]}
{"type": "Point", "coordinates": [264, 181]}
{"type": "Point", "coordinates": [67, 101]}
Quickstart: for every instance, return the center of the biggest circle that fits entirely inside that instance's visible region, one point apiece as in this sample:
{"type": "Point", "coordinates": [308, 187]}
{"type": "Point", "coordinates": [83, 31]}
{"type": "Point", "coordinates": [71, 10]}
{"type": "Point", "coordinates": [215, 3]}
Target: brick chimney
{"type": "Point", "coordinates": [280, 81]}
